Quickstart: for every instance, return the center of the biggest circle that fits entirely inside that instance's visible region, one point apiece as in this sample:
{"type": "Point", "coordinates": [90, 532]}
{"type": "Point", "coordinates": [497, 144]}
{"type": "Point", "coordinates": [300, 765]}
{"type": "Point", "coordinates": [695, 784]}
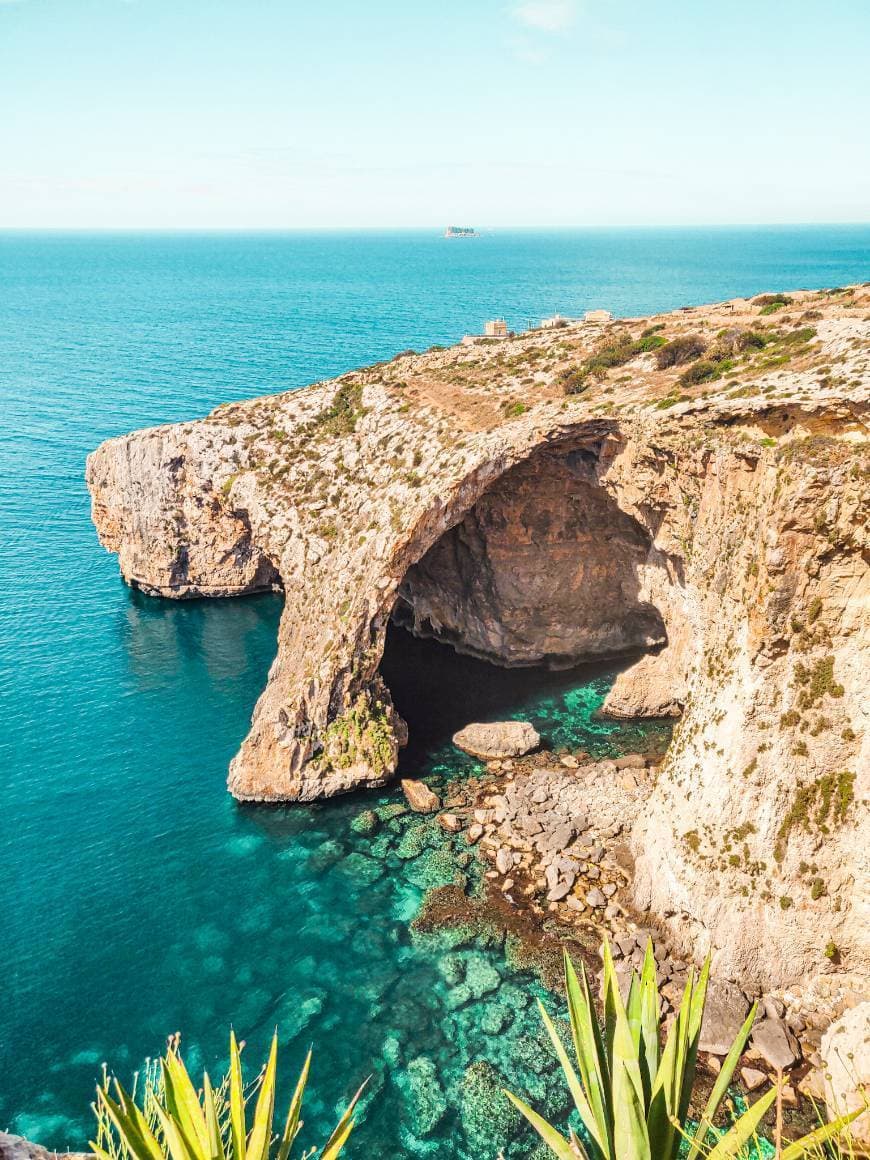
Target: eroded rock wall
{"type": "Point", "coordinates": [545, 568]}
{"type": "Point", "coordinates": [735, 512]}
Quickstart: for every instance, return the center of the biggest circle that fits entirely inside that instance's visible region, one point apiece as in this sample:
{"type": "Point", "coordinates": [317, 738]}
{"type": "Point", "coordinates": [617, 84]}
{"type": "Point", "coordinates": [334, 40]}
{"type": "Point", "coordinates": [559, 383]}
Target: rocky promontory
{"type": "Point", "coordinates": [691, 485]}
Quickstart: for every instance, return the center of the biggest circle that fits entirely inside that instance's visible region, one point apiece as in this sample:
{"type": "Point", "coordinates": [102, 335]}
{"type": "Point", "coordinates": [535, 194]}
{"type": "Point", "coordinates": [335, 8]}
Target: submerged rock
{"type": "Point", "coordinates": [424, 1096]}
{"type": "Point", "coordinates": [489, 1119]}
{"type": "Point", "coordinates": [365, 823]}
{"type": "Point", "coordinates": [497, 739]}
{"type": "Point", "coordinates": [363, 868]}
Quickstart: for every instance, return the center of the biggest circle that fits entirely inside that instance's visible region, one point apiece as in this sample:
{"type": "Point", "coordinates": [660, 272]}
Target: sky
{"type": "Point", "coordinates": [278, 114]}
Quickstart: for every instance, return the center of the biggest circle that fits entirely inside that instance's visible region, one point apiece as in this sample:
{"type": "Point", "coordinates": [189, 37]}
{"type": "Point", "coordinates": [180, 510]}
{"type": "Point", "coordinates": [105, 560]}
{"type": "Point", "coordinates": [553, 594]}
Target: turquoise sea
{"type": "Point", "coordinates": [136, 898]}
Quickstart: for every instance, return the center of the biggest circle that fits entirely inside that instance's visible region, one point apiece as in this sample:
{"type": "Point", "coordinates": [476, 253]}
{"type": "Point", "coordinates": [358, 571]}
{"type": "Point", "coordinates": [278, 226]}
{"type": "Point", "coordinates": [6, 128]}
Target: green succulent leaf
{"type": "Point", "coordinates": [556, 1142]}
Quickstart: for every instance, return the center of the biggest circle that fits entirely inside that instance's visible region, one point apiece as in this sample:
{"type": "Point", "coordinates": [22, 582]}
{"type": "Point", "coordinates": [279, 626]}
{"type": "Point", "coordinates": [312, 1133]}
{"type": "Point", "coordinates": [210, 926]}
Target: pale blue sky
{"type": "Point", "coordinates": [278, 113]}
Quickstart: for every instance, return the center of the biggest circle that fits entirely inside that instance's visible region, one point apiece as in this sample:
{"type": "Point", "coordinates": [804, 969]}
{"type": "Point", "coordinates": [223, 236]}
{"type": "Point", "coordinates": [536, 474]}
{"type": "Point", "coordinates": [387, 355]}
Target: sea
{"type": "Point", "coordinates": [137, 899]}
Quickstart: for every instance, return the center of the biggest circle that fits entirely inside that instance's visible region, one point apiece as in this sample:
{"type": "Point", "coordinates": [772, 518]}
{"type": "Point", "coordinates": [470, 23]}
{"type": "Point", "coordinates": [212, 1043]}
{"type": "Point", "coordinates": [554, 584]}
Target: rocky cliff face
{"type": "Point", "coordinates": [711, 511]}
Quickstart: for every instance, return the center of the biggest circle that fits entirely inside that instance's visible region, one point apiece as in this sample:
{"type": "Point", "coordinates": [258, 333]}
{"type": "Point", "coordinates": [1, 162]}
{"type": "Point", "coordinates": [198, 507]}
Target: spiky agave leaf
{"type": "Point", "coordinates": [182, 1104]}
{"type": "Point", "coordinates": [211, 1127]}
{"type": "Point", "coordinates": [669, 1080]}
{"type": "Point", "coordinates": [630, 1137]}
{"type": "Point", "coordinates": [575, 1086]}
{"type": "Point", "coordinates": [729, 1145]}
{"type": "Point", "coordinates": [293, 1122]}
{"type": "Point", "coordinates": [554, 1140]}
{"type": "Point", "coordinates": [819, 1136]}
{"type": "Point", "coordinates": [264, 1113]}
{"type": "Point", "coordinates": [721, 1086]}
{"type": "Point", "coordinates": [212, 1120]}
{"type": "Point", "coordinates": [591, 1053]}
{"type": "Point", "coordinates": [343, 1128]}
{"type": "Point", "coordinates": [238, 1130]}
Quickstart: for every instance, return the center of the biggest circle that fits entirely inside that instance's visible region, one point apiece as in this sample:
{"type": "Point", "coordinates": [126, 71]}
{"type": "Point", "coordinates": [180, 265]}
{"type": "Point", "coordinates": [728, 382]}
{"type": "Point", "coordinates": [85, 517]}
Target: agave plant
{"type": "Point", "coordinates": [177, 1122]}
{"type": "Point", "coordinates": [631, 1094]}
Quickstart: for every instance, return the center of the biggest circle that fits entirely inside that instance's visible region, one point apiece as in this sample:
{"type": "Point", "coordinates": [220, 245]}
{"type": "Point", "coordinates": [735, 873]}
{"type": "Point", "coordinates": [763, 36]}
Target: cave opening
{"type": "Point", "coordinates": [537, 591]}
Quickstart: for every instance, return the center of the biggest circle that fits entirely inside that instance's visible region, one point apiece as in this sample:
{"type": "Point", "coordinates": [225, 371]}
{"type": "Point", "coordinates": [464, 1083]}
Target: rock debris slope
{"type": "Point", "coordinates": [691, 485]}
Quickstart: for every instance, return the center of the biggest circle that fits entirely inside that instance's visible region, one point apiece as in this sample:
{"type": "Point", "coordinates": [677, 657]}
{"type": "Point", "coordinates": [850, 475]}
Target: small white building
{"type": "Point", "coordinates": [553, 323]}
{"type": "Point", "coordinates": [597, 316]}
{"type": "Point", "coordinates": [495, 328]}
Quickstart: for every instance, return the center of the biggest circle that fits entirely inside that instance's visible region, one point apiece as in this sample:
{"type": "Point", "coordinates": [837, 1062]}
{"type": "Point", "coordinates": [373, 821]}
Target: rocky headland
{"type": "Point", "coordinates": [692, 485]}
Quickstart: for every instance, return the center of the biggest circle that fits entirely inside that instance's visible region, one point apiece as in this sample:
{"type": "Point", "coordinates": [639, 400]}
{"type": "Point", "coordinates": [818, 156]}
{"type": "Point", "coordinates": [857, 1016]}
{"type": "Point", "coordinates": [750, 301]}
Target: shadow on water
{"type": "Point", "coordinates": [438, 691]}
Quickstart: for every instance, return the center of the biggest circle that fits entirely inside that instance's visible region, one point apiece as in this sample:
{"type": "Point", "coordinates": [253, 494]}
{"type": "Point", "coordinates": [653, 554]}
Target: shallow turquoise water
{"type": "Point", "coordinates": [135, 897]}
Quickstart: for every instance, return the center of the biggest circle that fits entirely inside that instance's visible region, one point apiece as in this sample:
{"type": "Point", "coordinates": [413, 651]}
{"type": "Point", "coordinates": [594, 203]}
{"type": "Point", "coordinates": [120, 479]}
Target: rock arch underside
{"type": "Point", "coordinates": [719, 526]}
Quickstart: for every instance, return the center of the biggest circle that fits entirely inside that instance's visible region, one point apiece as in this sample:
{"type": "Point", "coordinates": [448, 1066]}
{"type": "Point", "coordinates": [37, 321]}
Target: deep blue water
{"type": "Point", "coordinates": [136, 898]}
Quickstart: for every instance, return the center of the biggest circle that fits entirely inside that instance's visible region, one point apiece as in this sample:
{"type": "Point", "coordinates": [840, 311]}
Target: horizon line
{"type": "Point", "coordinates": [218, 229]}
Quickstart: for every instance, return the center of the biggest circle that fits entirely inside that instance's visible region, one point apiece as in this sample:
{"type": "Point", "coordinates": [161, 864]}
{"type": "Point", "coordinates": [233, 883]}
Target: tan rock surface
{"type": "Point", "coordinates": [846, 1054]}
{"type": "Point", "coordinates": [465, 493]}
{"type": "Point", "coordinates": [497, 739]}
{"type": "Point", "coordinates": [419, 796]}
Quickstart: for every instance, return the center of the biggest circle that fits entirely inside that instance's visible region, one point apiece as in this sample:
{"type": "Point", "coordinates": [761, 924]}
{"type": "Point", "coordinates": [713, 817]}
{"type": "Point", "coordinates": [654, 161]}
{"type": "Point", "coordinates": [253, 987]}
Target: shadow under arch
{"type": "Point", "coordinates": [544, 570]}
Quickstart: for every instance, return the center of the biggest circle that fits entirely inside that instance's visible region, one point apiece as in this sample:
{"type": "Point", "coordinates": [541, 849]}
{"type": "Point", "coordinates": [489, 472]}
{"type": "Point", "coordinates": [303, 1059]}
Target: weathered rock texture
{"type": "Point", "coordinates": [17, 1148]}
{"type": "Point", "coordinates": [846, 1057]}
{"type": "Point", "coordinates": [522, 579]}
{"type": "Point", "coordinates": [466, 493]}
{"type": "Point", "coordinates": [498, 739]}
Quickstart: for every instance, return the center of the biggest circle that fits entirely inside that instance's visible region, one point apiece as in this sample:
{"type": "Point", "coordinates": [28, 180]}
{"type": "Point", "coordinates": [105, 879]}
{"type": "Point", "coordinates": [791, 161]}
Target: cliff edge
{"type": "Point", "coordinates": [692, 485]}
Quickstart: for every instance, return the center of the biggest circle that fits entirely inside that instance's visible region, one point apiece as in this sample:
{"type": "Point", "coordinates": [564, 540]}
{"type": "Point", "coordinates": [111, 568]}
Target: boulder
{"type": "Point", "coordinates": [724, 1013]}
{"type": "Point", "coordinates": [559, 891]}
{"type": "Point", "coordinates": [420, 797]}
{"type": "Point", "coordinates": [497, 739]}
{"type": "Point", "coordinates": [630, 761]}
{"type": "Point", "coordinates": [596, 898]}
{"type": "Point", "coordinates": [450, 822]}
{"type": "Point", "coordinates": [752, 1078]}
{"type": "Point", "coordinates": [504, 860]}
{"type": "Point", "coordinates": [846, 1053]}
{"type": "Point", "coordinates": [774, 1043]}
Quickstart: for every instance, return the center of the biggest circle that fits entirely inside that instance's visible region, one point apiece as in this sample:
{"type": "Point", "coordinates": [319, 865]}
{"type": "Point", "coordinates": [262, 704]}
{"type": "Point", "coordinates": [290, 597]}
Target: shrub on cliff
{"type": "Point", "coordinates": [770, 303]}
{"type": "Point", "coordinates": [176, 1122]}
{"type": "Point", "coordinates": [705, 371]}
{"type": "Point", "coordinates": [680, 351]}
{"type": "Point", "coordinates": [632, 1095]}
{"type": "Point", "coordinates": [621, 350]}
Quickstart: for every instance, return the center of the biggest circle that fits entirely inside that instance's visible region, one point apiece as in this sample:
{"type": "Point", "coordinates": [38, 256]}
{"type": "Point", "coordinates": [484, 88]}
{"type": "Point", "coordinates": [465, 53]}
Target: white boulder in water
{"type": "Point", "coordinates": [497, 739]}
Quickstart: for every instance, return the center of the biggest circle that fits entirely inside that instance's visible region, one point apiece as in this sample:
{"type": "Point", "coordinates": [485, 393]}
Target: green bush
{"type": "Point", "coordinates": [680, 351]}
{"type": "Point", "coordinates": [705, 371]}
{"type": "Point", "coordinates": [770, 303]}
{"type": "Point", "coordinates": [617, 353]}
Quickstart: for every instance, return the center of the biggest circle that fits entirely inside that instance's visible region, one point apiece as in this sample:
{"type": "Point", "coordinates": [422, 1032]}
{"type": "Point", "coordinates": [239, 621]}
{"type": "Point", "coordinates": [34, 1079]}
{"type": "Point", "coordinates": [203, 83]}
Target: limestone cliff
{"type": "Point", "coordinates": [690, 484]}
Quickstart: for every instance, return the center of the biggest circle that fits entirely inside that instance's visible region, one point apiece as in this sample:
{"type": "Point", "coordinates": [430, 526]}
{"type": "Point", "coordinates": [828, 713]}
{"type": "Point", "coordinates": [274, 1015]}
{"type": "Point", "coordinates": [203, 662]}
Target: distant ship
{"type": "Point", "coordinates": [461, 232]}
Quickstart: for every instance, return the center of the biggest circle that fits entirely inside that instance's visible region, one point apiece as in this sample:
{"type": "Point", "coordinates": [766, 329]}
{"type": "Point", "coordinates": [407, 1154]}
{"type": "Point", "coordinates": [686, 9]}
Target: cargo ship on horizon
{"type": "Point", "coordinates": [461, 232]}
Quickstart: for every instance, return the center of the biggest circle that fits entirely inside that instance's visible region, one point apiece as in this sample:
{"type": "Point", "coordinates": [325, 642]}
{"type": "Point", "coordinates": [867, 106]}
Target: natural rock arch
{"type": "Point", "coordinates": [747, 540]}
{"type": "Point", "coordinates": [545, 568]}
